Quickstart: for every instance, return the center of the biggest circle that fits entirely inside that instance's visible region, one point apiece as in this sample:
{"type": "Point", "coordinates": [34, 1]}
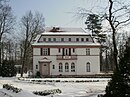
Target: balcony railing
{"type": "Point", "coordinates": [61, 57]}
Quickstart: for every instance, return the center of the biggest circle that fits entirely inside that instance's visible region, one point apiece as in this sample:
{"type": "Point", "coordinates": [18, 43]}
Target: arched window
{"type": "Point", "coordinates": [66, 67]}
{"type": "Point", "coordinates": [60, 67]}
{"type": "Point", "coordinates": [87, 67]}
{"type": "Point", "coordinates": [72, 67]}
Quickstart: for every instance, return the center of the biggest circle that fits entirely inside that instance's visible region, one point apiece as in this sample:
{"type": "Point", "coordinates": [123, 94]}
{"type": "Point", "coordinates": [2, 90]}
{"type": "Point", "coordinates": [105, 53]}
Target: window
{"type": "Point", "coordinates": [87, 51]}
{"type": "Point", "coordinates": [88, 67]}
{"type": "Point", "coordinates": [62, 39]}
{"type": "Point", "coordinates": [45, 51]}
{"type": "Point", "coordinates": [77, 39]}
{"type": "Point", "coordinates": [54, 39]}
{"type": "Point", "coordinates": [60, 67]}
{"type": "Point", "coordinates": [73, 50]}
{"type": "Point", "coordinates": [69, 39]}
{"type": "Point", "coordinates": [66, 67]}
{"type": "Point", "coordinates": [53, 66]}
{"type": "Point", "coordinates": [49, 39]}
{"type": "Point", "coordinates": [59, 50]}
{"type": "Point", "coordinates": [72, 67]}
{"type": "Point", "coordinates": [86, 39]}
{"type": "Point", "coordinates": [44, 39]}
{"type": "Point", "coordinates": [36, 66]}
{"type": "Point", "coordinates": [66, 51]}
{"type": "Point", "coordinates": [82, 39]}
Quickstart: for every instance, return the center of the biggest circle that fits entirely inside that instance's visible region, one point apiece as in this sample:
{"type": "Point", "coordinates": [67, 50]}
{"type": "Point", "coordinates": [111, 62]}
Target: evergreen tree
{"type": "Point", "coordinates": [119, 86]}
{"type": "Point", "coordinates": [8, 69]}
{"type": "Point", "coordinates": [0, 69]}
{"type": "Point", "coordinates": [93, 23]}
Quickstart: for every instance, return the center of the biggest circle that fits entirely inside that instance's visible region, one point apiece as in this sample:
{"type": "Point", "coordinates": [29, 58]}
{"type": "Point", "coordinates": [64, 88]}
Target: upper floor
{"type": "Point", "coordinates": [64, 37]}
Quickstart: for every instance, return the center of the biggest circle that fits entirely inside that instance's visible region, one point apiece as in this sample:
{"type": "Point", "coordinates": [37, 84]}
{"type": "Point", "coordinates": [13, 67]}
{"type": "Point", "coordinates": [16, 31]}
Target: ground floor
{"type": "Point", "coordinates": [48, 66]}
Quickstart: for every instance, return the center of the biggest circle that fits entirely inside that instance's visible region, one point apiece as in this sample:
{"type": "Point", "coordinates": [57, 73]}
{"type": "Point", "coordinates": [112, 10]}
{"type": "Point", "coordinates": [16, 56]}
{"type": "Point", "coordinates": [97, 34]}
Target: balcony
{"type": "Point", "coordinates": [72, 57]}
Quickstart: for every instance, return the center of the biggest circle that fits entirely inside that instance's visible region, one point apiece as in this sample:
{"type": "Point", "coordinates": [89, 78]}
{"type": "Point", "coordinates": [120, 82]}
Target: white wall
{"type": "Point", "coordinates": [80, 63]}
{"type": "Point", "coordinates": [36, 51]}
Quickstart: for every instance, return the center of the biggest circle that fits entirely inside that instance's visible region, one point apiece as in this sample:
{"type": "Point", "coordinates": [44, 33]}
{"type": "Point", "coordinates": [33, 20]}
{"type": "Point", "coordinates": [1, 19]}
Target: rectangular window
{"type": "Point", "coordinates": [73, 50]}
{"type": "Point", "coordinates": [36, 66]}
{"type": "Point", "coordinates": [49, 39]}
{"type": "Point", "coordinates": [60, 67]}
{"type": "Point", "coordinates": [66, 67]}
{"type": "Point", "coordinates": [72, 67]}
{"type": "Point", "coordinates": [45, 51]}
{"type": "Point", "coordinates": [54, 39]}
{"type": "Point", "coordinates": [86, 39]}
{"type": "Point", "coordinates": [62, 39]}
{"type": "Point", "coordinates": [53, 66]}
{"type": "Point", "coordinates": [69, 39]}
{"type": "Point", "coordinates": [87, 51]}
{"type": "Point", "coordinates": [77, 39]}
{"type": "Point", "coordinates": [59, 50]}
{"type": "Point", "coordinates": [44, 39]}
{"type": "Point", "coordinates": [82, 39]}
{"type": "Point", "coordinates": [88, 67]}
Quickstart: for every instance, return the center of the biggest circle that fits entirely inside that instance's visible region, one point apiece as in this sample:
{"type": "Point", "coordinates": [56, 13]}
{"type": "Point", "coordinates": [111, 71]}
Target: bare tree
{"type": "Point", "coordinates": [117, 17]}
{"type": "Point", "coordinates": [117, 13]}
{"type": "Point", "coordinates": [6, 22]}
{"type": "Point", "coordinates": [32, 24]}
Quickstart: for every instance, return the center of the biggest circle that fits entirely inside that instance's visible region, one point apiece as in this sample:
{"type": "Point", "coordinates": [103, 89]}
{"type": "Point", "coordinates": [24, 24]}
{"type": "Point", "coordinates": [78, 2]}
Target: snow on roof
{"type": "Point", "coordinates": [64, 31]}
{"type": "Point", "coordinates": [66, 44]}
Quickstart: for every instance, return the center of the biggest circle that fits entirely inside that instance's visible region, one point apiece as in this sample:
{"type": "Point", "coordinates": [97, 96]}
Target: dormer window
{"type": "Point", "coordinates": [54, 39]}
{"type": "Point", "coordinates": [82, 39]}
{"type": "Point", "coordinates": [77, 39]}
{"type": "Point", "coordinates": [62, 39]}
{"type": "Point", "coordinates": [86, 39]}
{"type": "Point", "coordinates": [44, 39]}
{"type": "Point", "coordinates": [49, 39]}
{"type": "Point", "coordinates": [69, 39]}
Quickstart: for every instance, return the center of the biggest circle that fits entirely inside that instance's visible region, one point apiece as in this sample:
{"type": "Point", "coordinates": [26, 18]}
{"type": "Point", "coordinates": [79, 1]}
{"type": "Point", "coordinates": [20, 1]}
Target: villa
{"type": "Point", "coordinates": [66, 51]}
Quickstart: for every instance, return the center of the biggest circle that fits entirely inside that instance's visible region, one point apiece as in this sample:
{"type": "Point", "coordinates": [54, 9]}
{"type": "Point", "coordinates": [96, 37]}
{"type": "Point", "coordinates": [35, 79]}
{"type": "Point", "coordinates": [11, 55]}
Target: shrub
{"type": "Point", "coordinates": [38, 74]}
{"type": "Point", "coordinates": [47, 92]}
{"type": "Point", "coordinates": [8, 69]}
{"type": "Point", "coordinates": [9, 87]}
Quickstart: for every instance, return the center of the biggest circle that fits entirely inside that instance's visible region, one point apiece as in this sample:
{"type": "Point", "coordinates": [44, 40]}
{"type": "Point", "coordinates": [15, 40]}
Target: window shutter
{"type": "Point", "coordinates": [41, 51]}
{"type": "Point", "coordinates": [63, 52]}
{"type": "Point", "coordinates": [48, 51]}
{"type": "Point", "coordinates": [69, 51]}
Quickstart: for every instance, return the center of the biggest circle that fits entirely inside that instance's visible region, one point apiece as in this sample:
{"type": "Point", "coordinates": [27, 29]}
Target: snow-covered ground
{"type": "Point", "coordinates": [71, 88]}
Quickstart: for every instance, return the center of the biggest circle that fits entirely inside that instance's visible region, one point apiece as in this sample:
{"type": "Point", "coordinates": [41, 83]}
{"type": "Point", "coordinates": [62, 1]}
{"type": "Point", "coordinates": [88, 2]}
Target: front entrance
{"type": "Point", "coordinates": [45, 69]}
{"type": "Point", "coordinates": [44, 66]}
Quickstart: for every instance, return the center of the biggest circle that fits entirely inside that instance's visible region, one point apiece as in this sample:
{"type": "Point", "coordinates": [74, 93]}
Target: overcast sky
{"type": "Point", "coordinates": [56, 12]}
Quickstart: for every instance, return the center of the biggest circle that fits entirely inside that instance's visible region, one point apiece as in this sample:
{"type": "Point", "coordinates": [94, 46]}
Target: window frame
{"type": "Point", "coordinates": [88, 68]}
{"type": "Point", "coordinates": [72, 67]}
{"type": "Point", "coordinates": [53, 66]}
{"type": "Point", "coordinates": [77, 39]}
{"type": "Point", "coordinates": [62, 39]}
{"type": "Point", "coordinates": [66, 67]}
{"type": "Point", "coordinates": [60, 67]}
{"type": "Point", "coordinates": [54, 39]}
{"type": "Point", "coordinates": [87, 51]}
{"type": "Point", "coordinates": [44, 39]}
{"type": "Point", "coordinates": [49, 39]}
{"type": "Point", "coordinates": [69, 39]}
{"type": "Point", "coordinates": [45, 51]}
{"type": "Point", "coordinates": [36, 66]}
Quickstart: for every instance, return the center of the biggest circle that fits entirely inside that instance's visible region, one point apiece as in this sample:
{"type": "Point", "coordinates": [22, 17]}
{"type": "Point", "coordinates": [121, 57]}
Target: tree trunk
{"type": "Point", "coordinates": [115, 53]}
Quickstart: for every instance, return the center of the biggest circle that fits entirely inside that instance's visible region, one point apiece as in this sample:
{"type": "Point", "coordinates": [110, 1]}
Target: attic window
{"type": "Point", "coordinates": [86, 39]}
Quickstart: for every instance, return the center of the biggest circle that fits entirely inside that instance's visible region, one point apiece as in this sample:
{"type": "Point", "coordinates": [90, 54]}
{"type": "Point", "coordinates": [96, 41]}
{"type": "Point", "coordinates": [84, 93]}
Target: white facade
{"type": "Point", "coordinates": [66, 51]}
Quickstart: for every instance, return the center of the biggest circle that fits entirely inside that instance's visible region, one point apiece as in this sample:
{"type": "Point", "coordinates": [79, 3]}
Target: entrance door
{"type": "Point", "coordinates": [45, 69]}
